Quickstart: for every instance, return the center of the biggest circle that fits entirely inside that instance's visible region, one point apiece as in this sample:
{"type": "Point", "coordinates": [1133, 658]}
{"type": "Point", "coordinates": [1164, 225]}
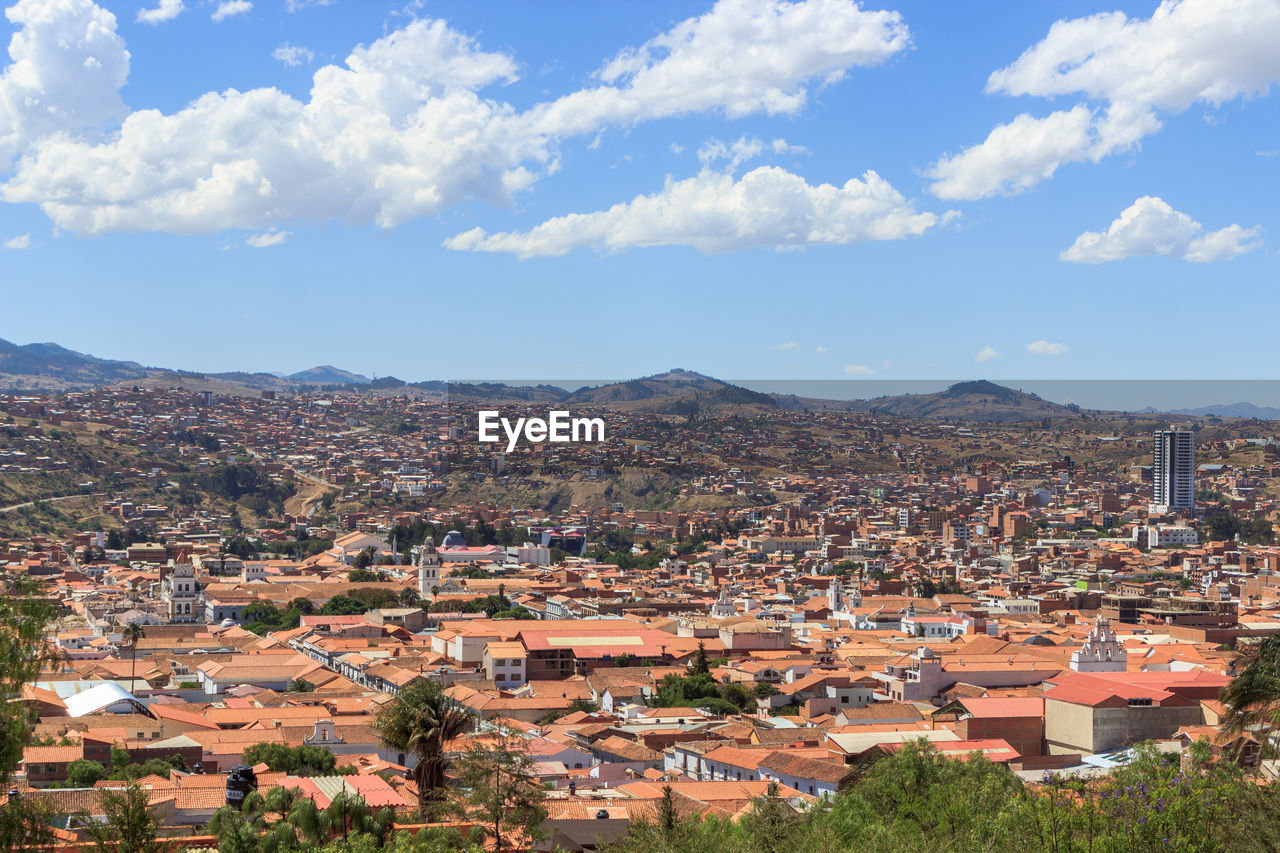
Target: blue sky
{"type": "Point", "coordinates": [1059, 190]}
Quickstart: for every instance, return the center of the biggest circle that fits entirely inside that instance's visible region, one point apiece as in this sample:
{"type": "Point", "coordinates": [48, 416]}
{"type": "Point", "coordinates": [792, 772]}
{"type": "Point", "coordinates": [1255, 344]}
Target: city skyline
{"type": "Point", "coordinates": [953, 194]}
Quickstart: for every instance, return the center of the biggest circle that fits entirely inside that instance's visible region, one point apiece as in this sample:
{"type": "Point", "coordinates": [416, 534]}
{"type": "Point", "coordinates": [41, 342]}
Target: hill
{"type": "Point", "coordinates": [676, 392]}
{"type": "Point", "coordinates": [1233, 410]}
{"type": "Point", "coordinates": [977, 401]}
{"type": "Point", "coordinates": [327, 374]}
{"type": "Point", "coordinates": [52, 367]}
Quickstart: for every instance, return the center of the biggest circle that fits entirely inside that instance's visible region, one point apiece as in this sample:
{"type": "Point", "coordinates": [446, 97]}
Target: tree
{"type": "Point", "coordinates": [504, 795]}
{"type": "Point", "coordinates": [409, 597]}
{"type": "Point", "coordinates": [1253, 697]}
{"type": "Point", "coordinates": [700, 665]}
{"type": "Point", "coordinates": [130, 826]}
{"type": "Point", "coordinates": [25, 614]}
{"type": "Point", "coordinates": [419, 721]}
{"type": "Point", "coordinates": [304, 760]}
{"type": "Point", "coordinates": [26, 823]}
{"type": "Point", "coordinates": [132, 633]}
{"type": "Point", "coordinates": [83, 773]}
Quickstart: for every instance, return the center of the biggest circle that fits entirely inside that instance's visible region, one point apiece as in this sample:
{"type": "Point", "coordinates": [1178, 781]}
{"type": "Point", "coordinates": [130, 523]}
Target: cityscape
{"type": "Point", "coordinates": [918, 513]}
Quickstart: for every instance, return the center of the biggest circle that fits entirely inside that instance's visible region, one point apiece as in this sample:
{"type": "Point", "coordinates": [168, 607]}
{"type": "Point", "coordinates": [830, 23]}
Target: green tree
{"type": "Point", "coordinates": [83, 773]}
{"type": "Point", "coordinates": [419, 721]}
{"type": "Point", "coordinates": [26, 823]}
{"type": "Point", "coordinates": [700, 665]}
{"type": "Point", "coordinates": [503, 795]}
{"type": "Point", "coordinates": [130, 825]}
{"type": "Point", "coordinates": [25, 615]}
{"type": "Point", "coordinates": [304, 760]}
{"type": "Point", "coordinates": [1253, 696]}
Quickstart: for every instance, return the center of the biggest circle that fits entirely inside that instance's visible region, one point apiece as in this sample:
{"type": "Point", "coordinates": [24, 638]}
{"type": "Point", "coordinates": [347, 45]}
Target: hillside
{"type": "Point", "coordinates": [53, 367]}
{"type": "Point", "coordinates": [978, 401]}
{"type": "Point", "coordinates": [327, 374]}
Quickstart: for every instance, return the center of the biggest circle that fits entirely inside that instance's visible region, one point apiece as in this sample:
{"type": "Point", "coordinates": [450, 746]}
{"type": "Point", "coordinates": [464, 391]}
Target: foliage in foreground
{"type": "Point", "coordinates": [916, 800]}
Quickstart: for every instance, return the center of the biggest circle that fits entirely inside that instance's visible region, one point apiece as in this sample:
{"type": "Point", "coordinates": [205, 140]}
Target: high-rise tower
{"type": "Point", "coordinates": [1173, 467]}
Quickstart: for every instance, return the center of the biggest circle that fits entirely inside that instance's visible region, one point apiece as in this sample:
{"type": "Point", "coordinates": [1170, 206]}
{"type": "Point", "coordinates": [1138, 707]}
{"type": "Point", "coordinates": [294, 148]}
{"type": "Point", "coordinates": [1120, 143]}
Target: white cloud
{"type": "Point", "coordinates": [1015, 156]}
{"type": "Point", "coordinates": [293, 55]}
{"type": "Point", "coordinates": [401, 131]}
{"type": "Point", "coordinates": [66, 68]}
{"type": "Point", "coordinates": [788, 345]}
{"type": "Point", "coordinates": [1046, 348]}
{"type": "Point", "coordinates": [298, 5]}
{"type": "Point", "coordinates": [858, 370]}
{"type": "Point", "coordinates": [1150, 226]}
{"type": "Point", "coordinates": [735, 153]}
{"type": "Point", "coordinates": [676, 148]}
{"type": "Point", "coordinates": [22, 241]}
{"type": "Point", "coordinates": [712, 212]}
{"type": "Point", "coordinates": [267, 238]}
{"type": "Point", "coordinates": [1188, 51]}
{"type": "Point", "coordinates": [228, 8]}
{"type": "Point", "coordinates": [165, 10]}
{"type": "Point", "coordinates": [743, 149]}
{"type": "Point", "coordinates": [819, 349]}
{"type": "Point", "coordinates": [986, 354]}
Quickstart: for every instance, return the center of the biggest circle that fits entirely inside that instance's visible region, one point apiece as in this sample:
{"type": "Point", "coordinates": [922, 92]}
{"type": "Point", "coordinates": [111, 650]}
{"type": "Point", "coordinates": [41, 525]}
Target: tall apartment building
{"type": "Point", "coordinates": [1173, 468]}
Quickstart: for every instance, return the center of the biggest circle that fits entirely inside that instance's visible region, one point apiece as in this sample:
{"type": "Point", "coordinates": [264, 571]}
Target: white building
{"type": "Point", "coordinates": [1101, 651]}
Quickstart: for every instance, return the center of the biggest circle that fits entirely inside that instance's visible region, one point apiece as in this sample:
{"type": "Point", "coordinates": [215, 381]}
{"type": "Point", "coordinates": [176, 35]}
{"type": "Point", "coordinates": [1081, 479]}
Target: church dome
{"type": "Point", "coordinates": [453, 539]}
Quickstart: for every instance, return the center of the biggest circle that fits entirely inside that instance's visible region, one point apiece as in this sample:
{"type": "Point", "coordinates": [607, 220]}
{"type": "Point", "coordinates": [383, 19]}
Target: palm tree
{"type": "Point", "coordinates": [133, 632]}
{"type": "Point", "coordinates": [421, 720]}
{"type": "Point", "coordinates": [1253, 697]}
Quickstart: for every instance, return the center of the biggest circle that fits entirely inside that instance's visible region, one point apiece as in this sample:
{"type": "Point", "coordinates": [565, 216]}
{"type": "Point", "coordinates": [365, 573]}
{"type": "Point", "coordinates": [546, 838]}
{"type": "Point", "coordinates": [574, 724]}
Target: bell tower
{"type": "Point", "coordinates": [428, 568]}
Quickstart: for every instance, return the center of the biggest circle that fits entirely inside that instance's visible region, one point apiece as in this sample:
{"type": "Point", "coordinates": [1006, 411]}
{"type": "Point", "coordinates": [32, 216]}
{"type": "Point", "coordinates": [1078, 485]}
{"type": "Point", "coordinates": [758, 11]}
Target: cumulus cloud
{"type": "Point", "coordinates": [1046, 348]}
{"type": "Point", "coordinates": [819, 349]}
{"type": "Point", "coordinates": [22, 241]}
{"type": "Point", "coordinates": [986, 354]}
{"type": "Point", "coordinates": [401, 130]}
{"type": "Point", "coordinates": [1127, 70]}
{"type": "Point", "coordinates": [292, 55]}
{"type": "Point", "coordinates": [297, 5]}
{"type": "Point", "coordinates": [67, 65]}
{"type": "Point", "coordinates": [1150, 226]}
{"type": "Point", "coordinates": [788, 345]}
{"type": "Point", "coordinates": [858, 370]}
{"type": "Point", "coordinates": [229, 8]}
{"type": "Point", "coordinates": [712, 212]}
{"type": "Point", "coordinates": [267, 238]}
{"type": "Point", "coordinates": [166, 10]}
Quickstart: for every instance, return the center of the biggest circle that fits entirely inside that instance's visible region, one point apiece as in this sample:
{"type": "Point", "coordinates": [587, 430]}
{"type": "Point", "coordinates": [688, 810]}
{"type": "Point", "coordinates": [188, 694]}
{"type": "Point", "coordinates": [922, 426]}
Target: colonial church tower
{"type": "Point", "coordinates": [428, 569]}
{"type": "Point", "coordinates": [1101, 651]}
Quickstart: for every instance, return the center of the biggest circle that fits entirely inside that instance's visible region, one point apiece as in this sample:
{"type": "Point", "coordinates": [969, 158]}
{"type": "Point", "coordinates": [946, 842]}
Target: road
{"type": "Point", "coordinates": [43, 501]}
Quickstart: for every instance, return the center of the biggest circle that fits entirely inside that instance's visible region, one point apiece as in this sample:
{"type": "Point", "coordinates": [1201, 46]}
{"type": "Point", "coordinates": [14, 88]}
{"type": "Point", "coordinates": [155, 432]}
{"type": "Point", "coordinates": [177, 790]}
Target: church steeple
{"type": "Point", "coordinates": [428, 568]}
{"type": "Point", "coordinates": [1101, 652]}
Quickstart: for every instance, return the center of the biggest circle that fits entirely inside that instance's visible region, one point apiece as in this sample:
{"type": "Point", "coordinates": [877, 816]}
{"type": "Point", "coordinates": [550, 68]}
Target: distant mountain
{"type": "Point", "coordinates": [1233, 410]}
{"type": "Point", "coordinates": [676, 392]}
{"type": "Point", "coordinates": [327, 374]}
{"type": "Point", "coordinates": [978, 401]}
{"type": "Point", "coordinates": [50, 366]}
